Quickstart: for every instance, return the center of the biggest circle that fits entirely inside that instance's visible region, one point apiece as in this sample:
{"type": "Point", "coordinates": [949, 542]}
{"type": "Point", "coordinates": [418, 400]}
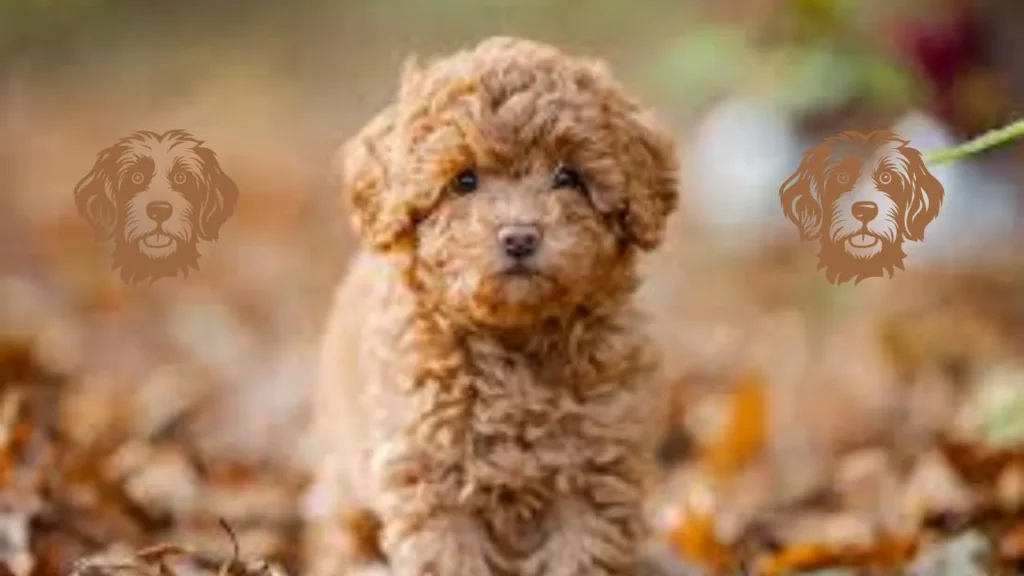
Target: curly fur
{"type": "Point", "coordinates": [498, 419]}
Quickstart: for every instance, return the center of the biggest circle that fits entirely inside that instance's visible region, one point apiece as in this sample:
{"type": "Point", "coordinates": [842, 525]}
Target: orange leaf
{"type": "Point", "coordinates": [745, 430]}
{"type": "Point", "coordinates": [797, 557]}
{"type": "Point", "coordinates": [886, 553]}
{"type": "Point", "coordinates": [694, 539]}
{"type": "Point", "coordinates": [1011, 544]}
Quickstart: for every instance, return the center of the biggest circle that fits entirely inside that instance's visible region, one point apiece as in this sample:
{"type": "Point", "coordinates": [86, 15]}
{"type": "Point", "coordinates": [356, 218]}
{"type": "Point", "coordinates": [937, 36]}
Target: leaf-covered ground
{"type": "Point", "coordinates": [935, 488]}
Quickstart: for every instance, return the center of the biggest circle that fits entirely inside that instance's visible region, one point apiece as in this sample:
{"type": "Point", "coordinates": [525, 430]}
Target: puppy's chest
{"type": "Point", "coordinates": [507, 422]}
{"type": "Point", "coordinates": [526, 423]}
{"type": "Point", "coordinates": [526, 441]}
{"type": "Point", "coordinates": [504, 434]}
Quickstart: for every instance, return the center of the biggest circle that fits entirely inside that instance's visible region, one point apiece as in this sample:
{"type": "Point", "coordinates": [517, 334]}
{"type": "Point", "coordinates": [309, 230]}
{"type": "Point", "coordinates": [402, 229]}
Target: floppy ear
{"type": "Point", "coordinates": [653, 185]}
{"type": "Point", "coordinates": [926, 195]}
{"type": "Point", "coordinates": [799, 195]}
{"type": "Point", "coordinates": [366, 181]}
{"type": "Point", "coordinates": [221, 195]}
{"type": "Point", "coordinates": [94, 194]}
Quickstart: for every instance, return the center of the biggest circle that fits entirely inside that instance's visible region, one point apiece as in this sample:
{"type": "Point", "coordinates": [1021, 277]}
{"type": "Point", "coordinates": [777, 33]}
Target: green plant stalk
{"type": "Point", "coordinates": [990, 139]}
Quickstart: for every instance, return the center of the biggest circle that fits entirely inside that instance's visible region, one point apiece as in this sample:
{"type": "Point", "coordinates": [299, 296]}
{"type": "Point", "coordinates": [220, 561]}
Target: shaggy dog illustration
{"type": "Point", "coordinates": [157, 196]}
{"type": "Point", "coordinates": [861, 196]}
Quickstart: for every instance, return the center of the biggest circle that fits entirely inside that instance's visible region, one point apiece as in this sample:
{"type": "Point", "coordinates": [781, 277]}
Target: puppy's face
{"type": "Point", "coordinates": [520, 182]}
{"type": "Point", "coordinates": [503, 248]}
{"type": "Point", "coordinates": [866, 199]}
{"type": "Point", "coordinates": [156, 195]}
{"type": "Point", "coordinates": [863, 195]}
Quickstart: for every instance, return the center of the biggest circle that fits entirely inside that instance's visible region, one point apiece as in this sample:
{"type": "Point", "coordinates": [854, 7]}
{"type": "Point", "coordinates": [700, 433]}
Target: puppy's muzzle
{"type": "Point", "coordinates": [864, 212]}
{"type": "Point", "coordinates": [519, 241]}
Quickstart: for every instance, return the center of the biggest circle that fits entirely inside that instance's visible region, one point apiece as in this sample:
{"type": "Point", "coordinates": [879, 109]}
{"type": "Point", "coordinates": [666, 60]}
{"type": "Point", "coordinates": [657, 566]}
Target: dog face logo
{"type": "Point", "coordinates": [861, 196]}
{"type": "Point", "coordinates": [156, 195]}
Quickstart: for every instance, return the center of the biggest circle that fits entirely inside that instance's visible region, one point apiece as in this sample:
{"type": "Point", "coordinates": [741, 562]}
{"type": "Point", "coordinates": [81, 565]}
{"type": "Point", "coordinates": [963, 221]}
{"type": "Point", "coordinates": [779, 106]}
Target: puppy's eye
{"type": "Point", "coordinates": [885, 177]}
{"type": "Point", "coordinates": [180, 178]}
{"type": "Point", "coordinates": [138, 177]}
{"type": "Point", "coordinates": [465, 182]}
{"type": "Point", "coordinates": [566, 177]}
{"type": "Point", "coordinates": [843, 177]}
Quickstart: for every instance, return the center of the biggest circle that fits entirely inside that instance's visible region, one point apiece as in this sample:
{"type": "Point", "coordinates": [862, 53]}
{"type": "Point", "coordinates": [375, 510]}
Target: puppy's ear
{"type": "Point", "coordinates": [366, 183]}
{"type": "Point", "coordinates": [926, 195]}
{"type": "Point", "coordinates": [800, 192]}
{"type": "Point", "coordinates": [221, 196]}
{"type": "Point", "coordinates": [653, 185]}
{"type": "Point", "coordinates": [94, 194]}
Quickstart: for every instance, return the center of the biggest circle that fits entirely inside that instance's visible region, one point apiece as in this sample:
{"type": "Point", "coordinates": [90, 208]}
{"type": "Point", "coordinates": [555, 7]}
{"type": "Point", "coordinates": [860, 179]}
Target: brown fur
{"type": "Point", "coordinates": [497, 422]}
{"type": "Point", "coordinates": [877, 169]}
{"type": "Point", "coordinates": [145, 169]}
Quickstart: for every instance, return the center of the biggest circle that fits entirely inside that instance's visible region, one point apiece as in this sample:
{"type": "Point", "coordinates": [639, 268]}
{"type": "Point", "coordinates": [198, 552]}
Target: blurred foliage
{"type": "Point", "coordinates": [703, 63]}
{"type": "Point", "coordinates": [1001, 402]}
{"type": "Point", "coordinates": [40, 34]}
{"type": "Point", "coordinates": [817, 20]}
{"type": "Point", "coordinates": [711, 61]}
{"type": "Point", "coordinates": [818, 62]}
{"type": "Point", "coordinates": [822, 76]}
{"type": "Point", "coordinates": [816, 66]}
{"type": "Point", "coordinates": [55, 32]}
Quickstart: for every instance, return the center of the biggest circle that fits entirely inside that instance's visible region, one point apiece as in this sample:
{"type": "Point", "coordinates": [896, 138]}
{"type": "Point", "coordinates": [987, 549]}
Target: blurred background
{"type": "Point", "coordinates": [870, 427]}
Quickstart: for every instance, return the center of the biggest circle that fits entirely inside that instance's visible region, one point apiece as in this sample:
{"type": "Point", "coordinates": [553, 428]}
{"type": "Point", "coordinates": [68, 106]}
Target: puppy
{"type": "Point", "coordinates": [862, 195]}
{"type": "Point", "coordinates": [487, 392]}
{"type": "Point", "coordinates": [156, 195]}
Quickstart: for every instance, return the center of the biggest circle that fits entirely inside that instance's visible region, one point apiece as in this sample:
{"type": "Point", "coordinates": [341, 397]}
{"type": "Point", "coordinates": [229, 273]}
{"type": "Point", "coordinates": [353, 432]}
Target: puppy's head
{"type": "Point", "coordinates": [156, 195]}
{"type": "Point", "coordinates": [520, 181]}
{"type": "Point", "coordinates": [862, 196]}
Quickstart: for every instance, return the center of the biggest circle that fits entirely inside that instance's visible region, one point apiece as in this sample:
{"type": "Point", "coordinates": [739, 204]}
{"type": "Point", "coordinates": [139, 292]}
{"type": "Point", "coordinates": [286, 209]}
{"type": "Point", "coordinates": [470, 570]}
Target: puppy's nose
{"type": "Point", "coordinates": [519, 240]}
{"type": "Point", "coordinates": [159, 211]}
{"type": "Point", "coordinates": [865, 211]}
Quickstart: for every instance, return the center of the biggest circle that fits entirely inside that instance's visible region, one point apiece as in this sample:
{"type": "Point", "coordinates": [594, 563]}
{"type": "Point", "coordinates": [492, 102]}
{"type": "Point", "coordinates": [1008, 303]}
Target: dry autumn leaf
{"type": "Point", "coordinates": [694, 539]}
{"type": "Point", "coordinates": [886, 553]}
{"type": "Point", "coordinates": [744, 431]}
{"type": "Point", "coordinates": [1011, 546]}
{"type": "Point", "coordinates": [977, 462]}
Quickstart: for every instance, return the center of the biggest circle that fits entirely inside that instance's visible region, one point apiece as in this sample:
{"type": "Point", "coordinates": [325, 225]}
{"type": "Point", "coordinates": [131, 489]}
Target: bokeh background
{"type": "Point", "coordinates": [877, 426]}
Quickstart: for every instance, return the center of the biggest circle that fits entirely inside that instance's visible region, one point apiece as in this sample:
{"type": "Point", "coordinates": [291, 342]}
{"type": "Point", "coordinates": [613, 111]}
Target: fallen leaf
{"type": "Point", "coordinates": [935, 486]}
{"type": "Point", "coordinates": [966, 555]}
{"type": "Point", "coordinates": [866, 481]}
{"type": "Point", "coordinates": [1011, 546]}
{"type": "Point", "coordinates": [1010, 489]}
{"type": "Point", "coordinates": [694, 539]}
{"type": "Point", "coordinates": [744, 434]}
{"type": "Point", "coordinates": [886, 554]}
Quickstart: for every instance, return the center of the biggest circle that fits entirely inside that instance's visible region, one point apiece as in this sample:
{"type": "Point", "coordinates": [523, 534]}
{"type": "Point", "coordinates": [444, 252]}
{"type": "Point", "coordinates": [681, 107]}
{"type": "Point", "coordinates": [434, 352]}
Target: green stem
{"type": "Point", "coordinates": [987, 140]}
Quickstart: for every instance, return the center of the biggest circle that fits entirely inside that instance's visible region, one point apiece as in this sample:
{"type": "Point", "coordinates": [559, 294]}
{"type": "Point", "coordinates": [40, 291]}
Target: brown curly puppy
{"type": "Point", "coordinates": [487, 391]}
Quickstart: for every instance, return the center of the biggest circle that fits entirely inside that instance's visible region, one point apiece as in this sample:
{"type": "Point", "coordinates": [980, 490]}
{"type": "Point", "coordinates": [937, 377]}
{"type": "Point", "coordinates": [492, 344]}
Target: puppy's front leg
{"type": "Point", "coordinates": [425, 531]}
{"type": "Point", "coordinates": [590, 540]}
{"type": "Point", "coordinates": [448, 543]}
